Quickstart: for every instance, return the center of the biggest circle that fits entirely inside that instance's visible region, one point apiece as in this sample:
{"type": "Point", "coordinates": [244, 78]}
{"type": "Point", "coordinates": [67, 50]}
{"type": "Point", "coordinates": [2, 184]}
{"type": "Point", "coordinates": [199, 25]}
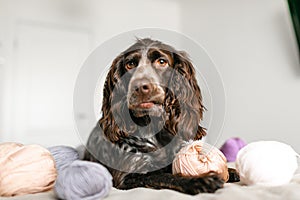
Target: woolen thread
{"type": "Point", "coordinates": [25, 169]}
{"type": "Point", "coordinates": [83, 180]}
{"type": "Point", "coordinates": [198, 158]}
{"type": "Point", "coordinates": [63, 156]}
{"type": "Point", "coordinates": [266, 163]}
{"type": "Point", "coordinates": [79, 179]}
{"type": "Point", "coordinates": [231, 147]}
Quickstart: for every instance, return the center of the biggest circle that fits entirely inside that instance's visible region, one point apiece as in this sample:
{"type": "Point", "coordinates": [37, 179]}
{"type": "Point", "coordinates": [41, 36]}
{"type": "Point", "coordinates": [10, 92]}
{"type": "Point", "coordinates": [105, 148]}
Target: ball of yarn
{"type": "Point", "coordinates": [63, 156]}
{"type": "Point", "coordinates": [83, 180]}
{"type": "Point", "coordinates": [6, 148]}
{"type": "Point", "coordinates": [267, 163]}
{"type": "Point", "coordinates": [198, 158]}
{"type": "Point", "coordinates": [231, 147]}
{"type": "Point", "coordinates": [25, 169]}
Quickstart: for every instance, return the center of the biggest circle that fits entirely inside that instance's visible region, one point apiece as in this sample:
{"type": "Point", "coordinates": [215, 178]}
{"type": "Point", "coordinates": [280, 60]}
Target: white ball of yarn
{"type": "Point", "coordinates": [267, 163]}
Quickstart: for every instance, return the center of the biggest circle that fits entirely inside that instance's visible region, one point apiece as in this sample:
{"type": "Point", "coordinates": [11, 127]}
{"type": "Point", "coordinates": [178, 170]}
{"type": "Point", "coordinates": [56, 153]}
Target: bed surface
{"type": "Point", "coordinates": [231, 191]}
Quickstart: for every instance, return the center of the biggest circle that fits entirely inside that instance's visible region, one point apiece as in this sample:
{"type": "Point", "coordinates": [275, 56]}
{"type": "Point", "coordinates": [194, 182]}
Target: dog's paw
{"type": "Point", "coordinates": [208, 184]}
{"type": "Point", "coordinates": [233, 176]}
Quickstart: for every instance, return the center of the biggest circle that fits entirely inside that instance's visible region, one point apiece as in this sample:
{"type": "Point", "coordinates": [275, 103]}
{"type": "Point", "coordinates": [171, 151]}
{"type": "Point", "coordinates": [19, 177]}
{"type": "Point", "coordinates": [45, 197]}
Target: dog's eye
{"type": "Point", "coordinates": [130, 65]}
{"type": "Point", "coordinates": [161, 62]}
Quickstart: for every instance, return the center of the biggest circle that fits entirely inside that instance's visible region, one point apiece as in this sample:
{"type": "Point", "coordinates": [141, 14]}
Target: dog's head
{"type": "Point", "coordinates": [152, 80]}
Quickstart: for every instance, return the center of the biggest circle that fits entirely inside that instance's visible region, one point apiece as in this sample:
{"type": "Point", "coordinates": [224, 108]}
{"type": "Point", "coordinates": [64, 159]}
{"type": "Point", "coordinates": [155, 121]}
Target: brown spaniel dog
{"type": "Point", "coordinates": [152, 104]}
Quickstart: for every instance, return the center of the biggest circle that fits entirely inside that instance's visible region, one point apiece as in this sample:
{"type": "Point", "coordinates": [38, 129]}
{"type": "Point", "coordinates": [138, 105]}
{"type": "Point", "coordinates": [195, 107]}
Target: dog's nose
{"type": "Point", "coordinates": [145, 88]}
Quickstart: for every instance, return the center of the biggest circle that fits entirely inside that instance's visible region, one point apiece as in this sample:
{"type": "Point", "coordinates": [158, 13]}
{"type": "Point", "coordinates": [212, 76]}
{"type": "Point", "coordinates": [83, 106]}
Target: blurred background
{"type": "Point", "coordinates": [43, 44]}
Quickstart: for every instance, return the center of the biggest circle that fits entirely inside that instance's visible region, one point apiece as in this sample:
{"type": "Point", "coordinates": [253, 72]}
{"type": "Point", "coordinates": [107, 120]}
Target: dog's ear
{"type": "Point", "coordinates": [107, 122]}
{"type": "Point", "coordinates": [110, 82]}
{"type": "Point", "coordinates": [186, 89]}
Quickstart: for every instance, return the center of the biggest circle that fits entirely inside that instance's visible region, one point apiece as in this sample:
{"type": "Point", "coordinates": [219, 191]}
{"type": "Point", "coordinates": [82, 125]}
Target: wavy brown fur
{"type": "Point", "coordinates": [136, 160]}
{"type": "Point", "coordinates": [187, 90]}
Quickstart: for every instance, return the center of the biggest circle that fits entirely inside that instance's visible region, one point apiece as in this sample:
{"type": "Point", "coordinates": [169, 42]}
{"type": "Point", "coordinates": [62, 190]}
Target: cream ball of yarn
{"type": "Point", "coordinates": [267, 163]}
{"type": "Point", "coordinates": [25, 169]}
{"type": "Point", "coordinates": [197, 158]}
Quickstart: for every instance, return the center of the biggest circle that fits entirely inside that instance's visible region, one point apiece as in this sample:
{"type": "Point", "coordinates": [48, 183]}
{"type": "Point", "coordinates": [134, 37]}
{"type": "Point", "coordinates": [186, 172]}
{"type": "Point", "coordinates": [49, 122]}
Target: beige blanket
{"type": "Point", "coordinates": [231, 191]}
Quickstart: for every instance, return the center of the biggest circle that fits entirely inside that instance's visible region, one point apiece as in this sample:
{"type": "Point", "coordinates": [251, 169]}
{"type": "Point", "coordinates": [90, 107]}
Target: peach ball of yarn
{"type": "Point", "coordinates": [198, 158]}
{"type": "Point", "coordinates": [25, 169]}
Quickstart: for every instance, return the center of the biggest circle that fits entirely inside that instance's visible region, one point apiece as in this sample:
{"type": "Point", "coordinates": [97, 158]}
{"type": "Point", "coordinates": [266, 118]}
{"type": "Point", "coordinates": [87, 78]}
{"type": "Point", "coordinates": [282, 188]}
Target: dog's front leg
{"type": "Point", "coordinates": [188, 185]}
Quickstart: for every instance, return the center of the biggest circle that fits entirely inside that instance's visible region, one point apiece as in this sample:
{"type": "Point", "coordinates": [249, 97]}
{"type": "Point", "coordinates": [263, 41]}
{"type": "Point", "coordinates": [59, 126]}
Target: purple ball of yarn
{"type": "Point", "coordinates": [63, 156]}
{"type": "Point", "coordinates": [231, 147]}
{"type": "Point", "coordinates": [83, 180]}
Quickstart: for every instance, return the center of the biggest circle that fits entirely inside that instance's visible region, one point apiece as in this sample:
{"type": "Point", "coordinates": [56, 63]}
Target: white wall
{"type": "Point", "coordinates": [44, 44]}
{"type": "Point", "coordinates": [251, 42]}
{"type": "Point", "coordinates": [112, 17]}
{"type": "Point", "coordinates": [253, 45]}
